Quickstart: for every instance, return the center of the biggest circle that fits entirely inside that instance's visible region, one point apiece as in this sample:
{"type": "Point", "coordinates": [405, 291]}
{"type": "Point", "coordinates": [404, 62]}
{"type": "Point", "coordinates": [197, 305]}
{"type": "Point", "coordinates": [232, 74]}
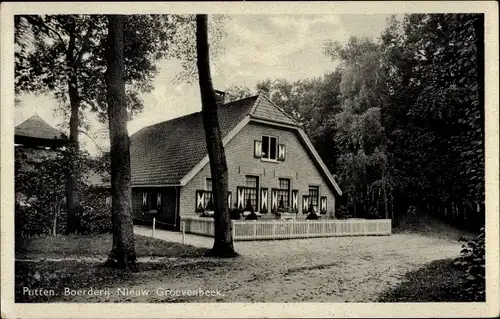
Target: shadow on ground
{"type": "Point", "coordinates": [437, 281]}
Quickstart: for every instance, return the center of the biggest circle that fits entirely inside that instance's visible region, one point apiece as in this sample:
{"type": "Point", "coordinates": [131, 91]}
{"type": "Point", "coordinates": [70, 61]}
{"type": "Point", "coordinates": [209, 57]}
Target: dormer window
{"type": "Point", "coordinates": [269, 146]}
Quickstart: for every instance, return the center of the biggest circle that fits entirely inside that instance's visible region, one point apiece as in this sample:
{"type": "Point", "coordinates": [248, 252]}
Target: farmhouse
{"type": "Point", "coordinates": [272, 165]}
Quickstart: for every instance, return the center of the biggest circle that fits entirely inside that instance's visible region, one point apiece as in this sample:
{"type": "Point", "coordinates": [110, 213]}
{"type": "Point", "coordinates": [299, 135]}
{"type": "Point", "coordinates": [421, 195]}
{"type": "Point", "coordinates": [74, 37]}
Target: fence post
{"type": "Point", "coordinates": [274, 230]}
{"type": "Point", "coordinates": [233, 230]}
{"type": "Point", "coordinates": [183, 227]}
{"type": "Point", "coordinates": [154, 224]}
{"type": "Point", "coordinates": [254, 228]}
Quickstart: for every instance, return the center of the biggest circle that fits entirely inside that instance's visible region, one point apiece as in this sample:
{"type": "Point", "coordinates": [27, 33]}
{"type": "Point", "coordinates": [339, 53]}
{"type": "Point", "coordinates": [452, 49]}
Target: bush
{"type": "Point", "coordinates": [95, 216]}
{"type": "Point", "coordinates": [473, 263]}
{"type": "Point", "coordinates": [234, 214]}
{"type": "Point", "coordinates": [312, 216]}
{"type": "Point", "coordinates": [342, 213]}
{"type": "Point", "coordinates": [252, 216]}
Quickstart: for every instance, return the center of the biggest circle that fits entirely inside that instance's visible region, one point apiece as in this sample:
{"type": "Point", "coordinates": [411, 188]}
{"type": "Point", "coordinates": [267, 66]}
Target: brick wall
{"type": "Point", "coordinates": [298, 167]}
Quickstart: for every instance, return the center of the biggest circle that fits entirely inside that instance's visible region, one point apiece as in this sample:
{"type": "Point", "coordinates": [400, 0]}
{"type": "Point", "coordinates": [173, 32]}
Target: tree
{"type": "Point", "coordinates": [223, 240]}
{"type": "Point", "coordinates": [234, 93]}
{"type": "Point", "coordinates": [360, 135]}
{"type": "Point", "coordinates": [436, 122]}
{"type": "Point", "coordinates": [64, 55]}
{"type": "Point", "coordinates": [123, 251]}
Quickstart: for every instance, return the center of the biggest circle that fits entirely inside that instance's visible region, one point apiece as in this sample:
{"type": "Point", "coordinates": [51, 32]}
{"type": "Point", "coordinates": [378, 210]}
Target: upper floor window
{"type": "Point", "coordinates": [269, 145]}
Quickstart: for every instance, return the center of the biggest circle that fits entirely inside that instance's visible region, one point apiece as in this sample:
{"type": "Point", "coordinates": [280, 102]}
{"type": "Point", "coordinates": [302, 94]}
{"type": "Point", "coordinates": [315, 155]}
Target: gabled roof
{"type": "Point", "coordinates": [171, 152]}
{"type": "Point", "coordinates": [36, 127]}
{"type": "Point", "coordinates": [161, 154]}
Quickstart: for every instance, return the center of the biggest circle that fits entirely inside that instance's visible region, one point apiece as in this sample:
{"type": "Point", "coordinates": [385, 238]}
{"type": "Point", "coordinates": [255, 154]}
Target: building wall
{"type": "Point", "coordinates": [298, 167]}
{"type": "Point", "coordinates": [167, 217]}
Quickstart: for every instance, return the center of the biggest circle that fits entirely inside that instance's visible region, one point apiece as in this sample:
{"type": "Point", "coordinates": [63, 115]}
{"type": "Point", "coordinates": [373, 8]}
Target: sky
{"type": "Point", "coordinates": [256, 47]}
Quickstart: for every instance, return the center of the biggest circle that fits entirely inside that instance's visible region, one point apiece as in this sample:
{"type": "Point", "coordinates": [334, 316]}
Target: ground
{"type": "Point", "coordinates": [341, 269]}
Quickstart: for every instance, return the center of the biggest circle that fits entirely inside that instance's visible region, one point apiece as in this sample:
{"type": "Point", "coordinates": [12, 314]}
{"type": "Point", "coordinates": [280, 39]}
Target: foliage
{"type": "Point", "coordinates": [39, 185]}
{"type": "Point", "coordinates": [235, 213]}
{"type": "Point", "coordinates": [342, 212]}
{"type": "Point", "coordinates": [234, 93]}
{"type": "Point", "coordinates": [400, 121]}
{"type": "Point", "coordinates": [52, 48]}
{"type": "Point", "coordinates": [472, 261]}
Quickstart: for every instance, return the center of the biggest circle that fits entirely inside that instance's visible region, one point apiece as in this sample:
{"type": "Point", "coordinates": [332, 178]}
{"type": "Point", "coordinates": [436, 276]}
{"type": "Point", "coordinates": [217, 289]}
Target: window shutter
{"type": "Point", "coordinates": [200, 199]}
{"type": "Point", "coordinates": [305, 203]}
{"type": "Point", "coordinates": [274, 199]}
{"type": "Point", "coordinates": [295, 199]}
{"type": "Point", "coordinates": [145, 201]}
{"type": "Point", "coordinates": [257, 149]}
{"type": "Point", "coordinates": [240, 197]}
{"type": "Point", "coordinates": [281, 152]}
{"type": "Point", "coordinates": [158, 200]}
{"type": "Point", "coordinates": [322, 205]}
{"type": "Point", "coordinates": [263, 200]}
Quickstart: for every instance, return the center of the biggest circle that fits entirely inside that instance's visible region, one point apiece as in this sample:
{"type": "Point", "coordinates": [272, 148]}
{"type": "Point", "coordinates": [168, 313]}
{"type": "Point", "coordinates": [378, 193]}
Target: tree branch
{"type": "Point", "coordinates": [38, 21]}
{"type": "Point", "coordinates": [93, 140]}
{"type": "Point", "coordinates": [85, 45]}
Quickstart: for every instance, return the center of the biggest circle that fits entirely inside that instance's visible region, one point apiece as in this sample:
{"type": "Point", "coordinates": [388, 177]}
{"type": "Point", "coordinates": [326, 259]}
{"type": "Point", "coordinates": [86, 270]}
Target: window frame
{"type": "Point", "coordinates": [208, 192]}
{"type": "Point", "coordinates": [286, 203]}
{"type": "Point", "coordinates": [318, 195]}
{"type": "Point", "coordinates": [257, 188]}
{"type": "Point", "coordinates": [268, 151]}
{"type": "Point", "coordinates": [152, 196]}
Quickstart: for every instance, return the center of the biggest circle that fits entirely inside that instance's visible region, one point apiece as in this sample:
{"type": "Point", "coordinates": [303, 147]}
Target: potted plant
{"type": "Point", "coordinates": [249, 208]}
{"type": "Point", "coordinates": [235, 213]}
{"type": "Point", "coordinates": [311, 213]}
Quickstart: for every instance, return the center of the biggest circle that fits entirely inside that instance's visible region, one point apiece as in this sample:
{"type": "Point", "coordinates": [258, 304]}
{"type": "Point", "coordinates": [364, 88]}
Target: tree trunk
{"type": "Point", "coordinates": [72, 198]}
{"type": "Point", "coordinates": [123, 250]}
{"type": "Point", "coordinates": [223, 238]}
{"type": "Point", "coordinates": [57, 209]}
{"type": "Point", "coordinates": [386, 208]}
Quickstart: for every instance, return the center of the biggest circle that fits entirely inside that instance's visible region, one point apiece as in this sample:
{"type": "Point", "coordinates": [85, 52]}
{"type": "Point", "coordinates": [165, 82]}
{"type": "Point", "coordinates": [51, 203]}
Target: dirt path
{"type": "Point", "coordinates": [345, 269]}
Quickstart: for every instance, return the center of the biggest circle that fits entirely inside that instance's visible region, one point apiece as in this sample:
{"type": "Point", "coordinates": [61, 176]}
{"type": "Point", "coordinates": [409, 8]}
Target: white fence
{"type": "Point", "coordinates": [282, 229]}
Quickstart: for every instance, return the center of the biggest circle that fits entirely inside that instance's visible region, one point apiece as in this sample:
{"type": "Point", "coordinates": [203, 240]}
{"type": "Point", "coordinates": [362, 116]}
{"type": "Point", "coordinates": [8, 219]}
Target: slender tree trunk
{"type": "Point", "coordinates": [123, 250]}
{"type": "Point", "coordinates": [386, 208]}
{"type": "Point", "coordinates": [72, 198]}
{"type": "Point", "coordinates": [57, 209]}
{"type": "Point", "coordinates": [223, 239]}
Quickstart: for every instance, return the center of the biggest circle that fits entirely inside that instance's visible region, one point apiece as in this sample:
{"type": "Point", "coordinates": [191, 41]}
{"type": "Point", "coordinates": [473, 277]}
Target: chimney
{"type": "Point", "coordinates": [220, 97]}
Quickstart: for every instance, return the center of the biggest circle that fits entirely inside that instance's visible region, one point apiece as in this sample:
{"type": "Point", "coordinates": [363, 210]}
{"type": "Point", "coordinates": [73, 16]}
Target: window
{"type": "Point", "coordinates": [284, 192]}
{"type": "Point", "coordinates": [252, 186]}
{"type": "Point", "coordinates": [151, 201]}
{"type": "Point", "coordinates": [208, 184]}
{"type": "Point", "coordinates": [269, 145]}
{"type": "Point", "coordinates": [208, 192]}
{"type": "Point", "coordinates": [314, 197]}
{"type": "Point", "coordinates": [153, 204]}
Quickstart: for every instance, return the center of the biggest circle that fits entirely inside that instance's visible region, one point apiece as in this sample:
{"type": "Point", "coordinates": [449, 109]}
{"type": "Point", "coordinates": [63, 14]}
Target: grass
{"type": "Point", "coordinates": [97, 246]}
{"type": "Point", "coordinates": [438, 281]}
{"type": "Point", "coordinates": [84, 274]}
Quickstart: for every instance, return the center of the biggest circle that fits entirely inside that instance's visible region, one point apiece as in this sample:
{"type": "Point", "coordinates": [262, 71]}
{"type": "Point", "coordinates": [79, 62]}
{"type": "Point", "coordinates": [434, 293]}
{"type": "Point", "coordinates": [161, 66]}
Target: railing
{"type": "Point", "coordinates": [283, 229]}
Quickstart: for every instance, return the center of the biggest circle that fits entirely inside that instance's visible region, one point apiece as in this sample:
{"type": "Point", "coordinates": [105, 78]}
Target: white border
{"type": "Point", "coordinates": [226, 310]}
